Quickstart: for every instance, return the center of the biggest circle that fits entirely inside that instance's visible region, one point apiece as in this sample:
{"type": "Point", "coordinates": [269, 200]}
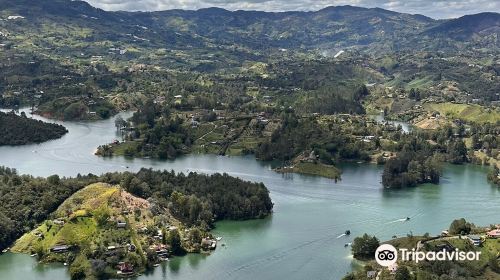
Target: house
{"type": "Point", "coordinates": [161, 250]}
{"type": "Point", "coordinates": [125, 268]}
{"type": "Point", "coordinates": [494, 233]}
{"type": "Point", "coordinates": [121, 224]}
{"type": "Point", "coordinates": [475, 239]}
{"type": "Point", "coordinates": [58, 222]}
{"type": "Point", "coordinates": [393, 268]}
{"type": "Point", "coordinates": [59, 249]}
{"type": "Point", "coordinates": [178, 96]}
{"type": "Point", "coordinates": [207, 243]}
{"type": "Point", "coordinates": [372, 274]}
{"type": "Point", "coordinates": [172, 228]}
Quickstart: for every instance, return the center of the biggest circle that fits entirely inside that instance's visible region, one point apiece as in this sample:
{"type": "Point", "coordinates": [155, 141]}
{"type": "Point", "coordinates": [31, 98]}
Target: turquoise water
{"type": "Point", "coordinates": [301, 240]}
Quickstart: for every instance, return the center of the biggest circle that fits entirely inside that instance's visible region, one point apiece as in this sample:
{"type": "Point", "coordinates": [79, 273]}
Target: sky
{"type": "Point", "coordinates": [437, 9]}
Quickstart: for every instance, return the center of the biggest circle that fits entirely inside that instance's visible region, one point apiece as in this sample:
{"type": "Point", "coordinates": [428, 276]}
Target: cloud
{"type": "Point", "coordinates": [432, 8]}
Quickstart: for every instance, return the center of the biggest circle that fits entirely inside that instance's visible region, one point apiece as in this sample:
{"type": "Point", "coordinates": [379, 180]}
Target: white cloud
{"type": "Point", "coordinates": [432, 8]}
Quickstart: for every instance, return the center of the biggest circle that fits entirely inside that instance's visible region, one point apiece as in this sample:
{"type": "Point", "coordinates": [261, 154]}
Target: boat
{"type": "Point", "coordinates": [156, 264]}
{"type": "Point", "coordinates": [348, 232]}
{"type": "Point", "coordinates": [347, 244]}
{"type": "Point", "coordinates": [33, 255]}
{"type": "Point", "coordinates": [218, 238]}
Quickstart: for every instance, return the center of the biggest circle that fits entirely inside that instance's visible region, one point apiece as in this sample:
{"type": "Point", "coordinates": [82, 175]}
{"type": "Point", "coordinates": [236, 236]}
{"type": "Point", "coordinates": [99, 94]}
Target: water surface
{"type": "Point", "coordinates": [301, 240]}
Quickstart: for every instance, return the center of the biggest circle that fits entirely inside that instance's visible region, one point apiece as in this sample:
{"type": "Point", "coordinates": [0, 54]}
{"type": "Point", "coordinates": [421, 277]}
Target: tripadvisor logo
{"type": "Point", "coordinates": [387, 255]}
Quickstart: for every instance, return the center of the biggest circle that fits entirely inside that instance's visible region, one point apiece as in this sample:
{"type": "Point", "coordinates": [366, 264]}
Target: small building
{"type": "Point", "coordinates": [178, 96]}
{"type": "Point", "coordinates": [372, 274]}
{"type": "Point", "coordinates": [58, 222]}
{"type": "Point", "coordinates": [494, 233]}
{"type": "Point", "coordinates": [475, 240]}
{"type": "Point", "coordinates": [121, 224]}
{"type": "Point", "coordinates": [125, 268]}
{"type": "Point", "coordinates": [209, 244]}
{"type": "Point", "coordinates": [59, 249]}
{"type": "Point", "coordinates": [393, 268]}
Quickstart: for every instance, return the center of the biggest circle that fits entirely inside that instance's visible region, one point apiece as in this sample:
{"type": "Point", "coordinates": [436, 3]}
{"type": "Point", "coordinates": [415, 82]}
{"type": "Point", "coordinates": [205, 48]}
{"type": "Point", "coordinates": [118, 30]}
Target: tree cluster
{"type": "Point", "coordinates": [21, 130]}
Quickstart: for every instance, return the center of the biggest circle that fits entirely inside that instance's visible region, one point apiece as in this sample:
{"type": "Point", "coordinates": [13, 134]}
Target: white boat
{"type": "Point", "coordinates": [218, 238]}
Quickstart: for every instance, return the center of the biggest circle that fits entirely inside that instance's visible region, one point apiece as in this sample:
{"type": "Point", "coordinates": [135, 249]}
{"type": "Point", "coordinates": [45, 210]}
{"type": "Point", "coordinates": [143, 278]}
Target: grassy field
{"type": "Point", "coordinates": [467, 112]}
{"type": "Point", "coordinates": [79, 227]}
{"type": "Point", "coordinates": [318, 169]}
{"type": "Point", "coordinates": [120, 149]}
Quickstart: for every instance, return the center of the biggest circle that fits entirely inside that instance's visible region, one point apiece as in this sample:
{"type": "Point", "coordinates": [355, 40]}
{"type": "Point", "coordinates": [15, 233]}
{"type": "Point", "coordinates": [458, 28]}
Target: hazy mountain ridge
{"type": "Point", "coordinates": [332, 27]}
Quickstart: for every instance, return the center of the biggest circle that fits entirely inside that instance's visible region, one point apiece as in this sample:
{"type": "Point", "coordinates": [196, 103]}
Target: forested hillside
{"type": "Point", "coordinates": [20, 130]}
{"type": "Point", "coordinates": [194, 199]}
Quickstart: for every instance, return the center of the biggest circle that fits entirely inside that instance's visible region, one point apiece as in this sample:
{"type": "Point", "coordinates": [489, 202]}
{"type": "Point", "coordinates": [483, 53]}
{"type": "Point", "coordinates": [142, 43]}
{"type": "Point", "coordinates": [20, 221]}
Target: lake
{"type": "Point", "coordinates": [301, 240]}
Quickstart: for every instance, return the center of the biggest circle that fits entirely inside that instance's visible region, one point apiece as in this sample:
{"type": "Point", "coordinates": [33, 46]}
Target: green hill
{"type": "Point", "coordinates": [104, 224]}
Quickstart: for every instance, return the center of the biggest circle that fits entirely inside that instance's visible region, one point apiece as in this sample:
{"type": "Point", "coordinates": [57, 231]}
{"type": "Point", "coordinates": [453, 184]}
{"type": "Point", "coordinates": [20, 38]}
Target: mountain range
{"type": "Point", "coordinates": [338, 27]}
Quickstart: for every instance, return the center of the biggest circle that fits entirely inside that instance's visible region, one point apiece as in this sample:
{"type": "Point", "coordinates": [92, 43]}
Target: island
{"type": "Point", "coordinates": [121, 224]}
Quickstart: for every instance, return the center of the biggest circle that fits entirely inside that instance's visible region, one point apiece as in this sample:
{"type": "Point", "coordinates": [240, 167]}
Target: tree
{"type": "Point", "coordinates": [120, 123]}
{"type": "Point", "coordinates": [460, 226]}
{"type": "Point", "coordinates": [364, 247]}
{"type": "Point", "coordinates": [402, 274]}
{"type": "Point", "coordinates": [457, 152]}
{"type": "Point", "coordinates": [195, 236]}
{"type": "Point", "coordinates": [152, 257]}
{"type": "Point", "coordinates": [54, 180]}
{"type": "Point", "coordinates": [174, 239]}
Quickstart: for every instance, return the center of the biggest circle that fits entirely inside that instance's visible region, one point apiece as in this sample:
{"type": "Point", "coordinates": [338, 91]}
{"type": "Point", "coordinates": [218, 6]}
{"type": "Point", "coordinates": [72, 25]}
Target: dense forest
{"type": "Point", "coordinates": [156, 132]}
{"type": "Point", "coordinates": [26, 201]}
{"type": "Point", "coordinates": [21, 130]}
{"type": "Point", "coordinates": [195, 199]}
{"type": "Point", "coordinates": [301, 134]}
{"type": "Point", "coordinates": [420, 157]}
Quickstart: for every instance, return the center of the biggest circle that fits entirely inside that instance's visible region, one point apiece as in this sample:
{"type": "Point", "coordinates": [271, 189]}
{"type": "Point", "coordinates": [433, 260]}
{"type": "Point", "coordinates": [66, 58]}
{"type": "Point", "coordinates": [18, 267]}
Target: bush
{"type": "Point", "coordinates": [364, 247]}
{"type": "Point", "coordinates": [460, 226]}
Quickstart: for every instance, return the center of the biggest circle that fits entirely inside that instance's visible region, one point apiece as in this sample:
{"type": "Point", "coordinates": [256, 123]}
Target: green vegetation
{"type": "Point", "coordinates": [485, 268]}
{"type": "Point", "coordinates": [467, 112]}
{"type": "Point", "coordinates": [317, 169]}
{"type": "Point", "coordinates": [420, 156]}
{"type": "Point", "coordinates": [460, 226]}
{"type": "Point", "coordinates": [20, 130]}
{"type": "Point", "coordinates": [193, 199]}
{"type": "Point", "coordinates": [408, 169]}
{"type": "Point", "coordinates": [364, 247]}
